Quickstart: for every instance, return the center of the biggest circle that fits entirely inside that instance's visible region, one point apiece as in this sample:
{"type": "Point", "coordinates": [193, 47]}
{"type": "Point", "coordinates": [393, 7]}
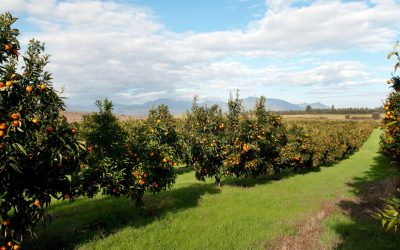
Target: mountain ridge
{"type": "Point", "coordinates": [178, 107]}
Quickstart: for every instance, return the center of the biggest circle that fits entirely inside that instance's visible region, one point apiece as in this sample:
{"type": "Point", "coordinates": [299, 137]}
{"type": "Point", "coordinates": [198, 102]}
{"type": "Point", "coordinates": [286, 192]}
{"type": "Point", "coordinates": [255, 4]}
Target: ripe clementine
{"type": "Point", "coordinates": [9, 84]}
{"type": "Point", "coordinates": [6, 222]}
{"type": "Point", "coordinates": [14, 116]}
{"type": "Point", "coordinates": [49, 129]}
{"type": "Point", "coordinates": [9, 244]}
{"type": "Point", "coordinates": [29, 89]}
{"type": "Point", "coordinates": [2, 84]}
{"type": "Point", "coordinates": [42, 86]}
{"type": "Point", "coordinates": [2, 133]}
{"type": "Point", "coordinates": [74, 131]}
{"type": "Point", "coordinates": [3, 248]}
{"type": "Point", "coordinates": [3, 126]}
{"type": "Point", "coordinates": [7, 47]}
{"type": "Point", "coordinates": [14, 52]}
{"type": "Point", "coordinates": [37, 203]}
{"type": "Point", "coordinates": [17, 247]}
{"type": "Point", "coordinates": [15, 123]}
{"type": "Point", "coordinates": [31, 155]}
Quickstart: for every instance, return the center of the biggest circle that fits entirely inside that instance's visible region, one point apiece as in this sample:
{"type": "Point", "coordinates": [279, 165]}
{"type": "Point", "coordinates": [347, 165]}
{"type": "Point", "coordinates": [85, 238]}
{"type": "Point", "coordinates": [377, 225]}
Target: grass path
{"type": "Point", "coordinates": [247, 215]}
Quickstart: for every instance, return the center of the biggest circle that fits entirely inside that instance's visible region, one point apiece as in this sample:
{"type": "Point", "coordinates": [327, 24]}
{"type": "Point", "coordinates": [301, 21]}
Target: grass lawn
{"type": "Point", "coordinates": [247, 214]}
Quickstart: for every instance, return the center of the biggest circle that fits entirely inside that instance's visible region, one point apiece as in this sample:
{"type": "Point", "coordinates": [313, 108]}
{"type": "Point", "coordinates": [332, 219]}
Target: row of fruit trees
{"type": "Point", "coordinates": [390, 143]}
{"type": "Point", "coordinates": [42, 157]}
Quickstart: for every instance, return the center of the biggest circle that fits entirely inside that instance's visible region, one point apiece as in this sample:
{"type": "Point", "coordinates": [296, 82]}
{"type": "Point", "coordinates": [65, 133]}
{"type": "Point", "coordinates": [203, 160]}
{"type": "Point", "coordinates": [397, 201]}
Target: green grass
{"type": "Point", "coordinates": [240, 215]}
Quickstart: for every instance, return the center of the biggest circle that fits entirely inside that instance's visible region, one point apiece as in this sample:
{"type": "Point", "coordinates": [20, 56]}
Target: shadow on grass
{"type": "Point", "coordinates": [183, 170]}
{"type": "Point", "coordinates": [363, 231]}
{"type": "Point", "coordinates": [87, 219]}
{"type": "Point", "coordinates": [285, 173]}
{"type": "Point", "coordinates": [247, 182]}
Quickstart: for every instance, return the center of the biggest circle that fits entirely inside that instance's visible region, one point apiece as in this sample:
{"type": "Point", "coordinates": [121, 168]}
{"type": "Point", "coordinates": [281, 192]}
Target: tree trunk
{"type": "Point", "coordinates": [218, 181]}
{"type": "Point", "coordinates": [139, 198]}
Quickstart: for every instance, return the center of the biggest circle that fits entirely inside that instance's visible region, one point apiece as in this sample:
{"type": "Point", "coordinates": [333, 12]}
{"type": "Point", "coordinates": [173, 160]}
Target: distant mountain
{"type": "Point", "coordinates": [178, 107]}
{"type": "Point", "coordinates": [315, 105]}
{"type": "Point", "coordinates": [271, 104]}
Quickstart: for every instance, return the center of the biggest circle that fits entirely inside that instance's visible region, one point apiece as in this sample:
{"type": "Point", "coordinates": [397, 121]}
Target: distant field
{"type": "Point", "coordinates": [78, 116]}
{"type": "Point", "coordinates": [329, 116]}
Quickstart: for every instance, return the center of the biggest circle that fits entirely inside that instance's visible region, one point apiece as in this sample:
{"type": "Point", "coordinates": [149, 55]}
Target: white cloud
{"type": "Point", "coordinates": [104, 48]}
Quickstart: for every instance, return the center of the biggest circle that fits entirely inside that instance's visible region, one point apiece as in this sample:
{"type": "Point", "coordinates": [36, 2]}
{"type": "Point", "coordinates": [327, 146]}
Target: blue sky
{"type": "Point", "coordinates": [206, 15]}
{"type": "Point", "coordinates": [134, 51]}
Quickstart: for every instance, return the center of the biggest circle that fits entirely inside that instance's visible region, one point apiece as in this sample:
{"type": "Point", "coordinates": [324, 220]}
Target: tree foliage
{"type": "Point", "coordinates": [39, 151]}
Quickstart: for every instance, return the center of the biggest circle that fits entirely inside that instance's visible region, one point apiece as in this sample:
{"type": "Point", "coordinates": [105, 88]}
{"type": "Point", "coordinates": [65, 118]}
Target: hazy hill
{"type": "Point", "coordinates": [315, 105]}
{"type": "Point", "coordinates": [178, 107]}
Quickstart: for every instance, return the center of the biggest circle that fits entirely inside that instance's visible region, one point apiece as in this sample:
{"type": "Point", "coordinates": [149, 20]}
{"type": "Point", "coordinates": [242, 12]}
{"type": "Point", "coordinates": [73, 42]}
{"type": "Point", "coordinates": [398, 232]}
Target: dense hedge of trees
{"type": "Point", "coordinates": [333, 110]}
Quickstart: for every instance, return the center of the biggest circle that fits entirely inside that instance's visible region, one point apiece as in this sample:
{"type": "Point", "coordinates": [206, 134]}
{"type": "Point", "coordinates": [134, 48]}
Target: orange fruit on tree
{"type": "Point", "coordinates": [29, 89]}
{"type": "Point", "coordinates": [31, 155]}
{"type": "Point", "coordinates": [15, 123]}
{"type": "Point", "coordinates": [9, 244]}
{"type": "Point", "coordinates": [17, 247]}
{"type": "Point", "coordinates": [14, 116]}
{"type": "Point", "coordinates": [74, 131]}
{"type": "Point", "coordinates": [49, 129]}
{"type": "Point", "coordinates": [35, 120]}
{"type": "Point", "coordinates": [14, 52]}
{"type": "Point", "coordinates": [6, 222]}
{"type": "Point", "coordinates": [3, 126]}
{"type": "Point", "coordinates": [2, 84]}
{"type": "Point", "coordinates": [2, 133]}
{"type": "Point", "coordinates": [3, 248]}
{"type": "Point", "coordinates": [9, 84]}
{"type": "Point", "coordinates": [37, 203]}
{"type": "Point", "coordinates": [7, 47]}
{"type": "Point", "coordinates": [42, 86]}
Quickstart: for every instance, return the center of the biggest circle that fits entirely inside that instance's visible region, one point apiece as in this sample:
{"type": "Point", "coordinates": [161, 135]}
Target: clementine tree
{"type": "Point", "coordinates": [104, 167]}
{"type": "Point", "coordinates": [390, 143]}
{"type": "Point", "coordinates": [39, 150]}
{"type": "Point", "coordinates": [205, 135]}
{"type": "Point", "coordinates": [152, 151]}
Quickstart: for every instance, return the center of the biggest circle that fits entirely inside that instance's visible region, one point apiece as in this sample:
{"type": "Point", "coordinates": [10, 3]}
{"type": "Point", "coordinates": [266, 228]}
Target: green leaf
{"type": "Point", "coordinates": [384, 222]}
{"type": "Point", "coordinates": [391, 54]}
{"type": "Point", "coordinates": [20, 147]}
{"type": "Point", "coordinates": [396, 66]}
{"type": "Point", "coordinates": [16, 167]}
{"type": "Point", "coordinates": [391, 224]}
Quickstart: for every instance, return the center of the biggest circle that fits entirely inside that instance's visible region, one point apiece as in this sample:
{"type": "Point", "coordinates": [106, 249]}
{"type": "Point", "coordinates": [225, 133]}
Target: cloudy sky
{"type": "Point", "coordinates": [134, 51]}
